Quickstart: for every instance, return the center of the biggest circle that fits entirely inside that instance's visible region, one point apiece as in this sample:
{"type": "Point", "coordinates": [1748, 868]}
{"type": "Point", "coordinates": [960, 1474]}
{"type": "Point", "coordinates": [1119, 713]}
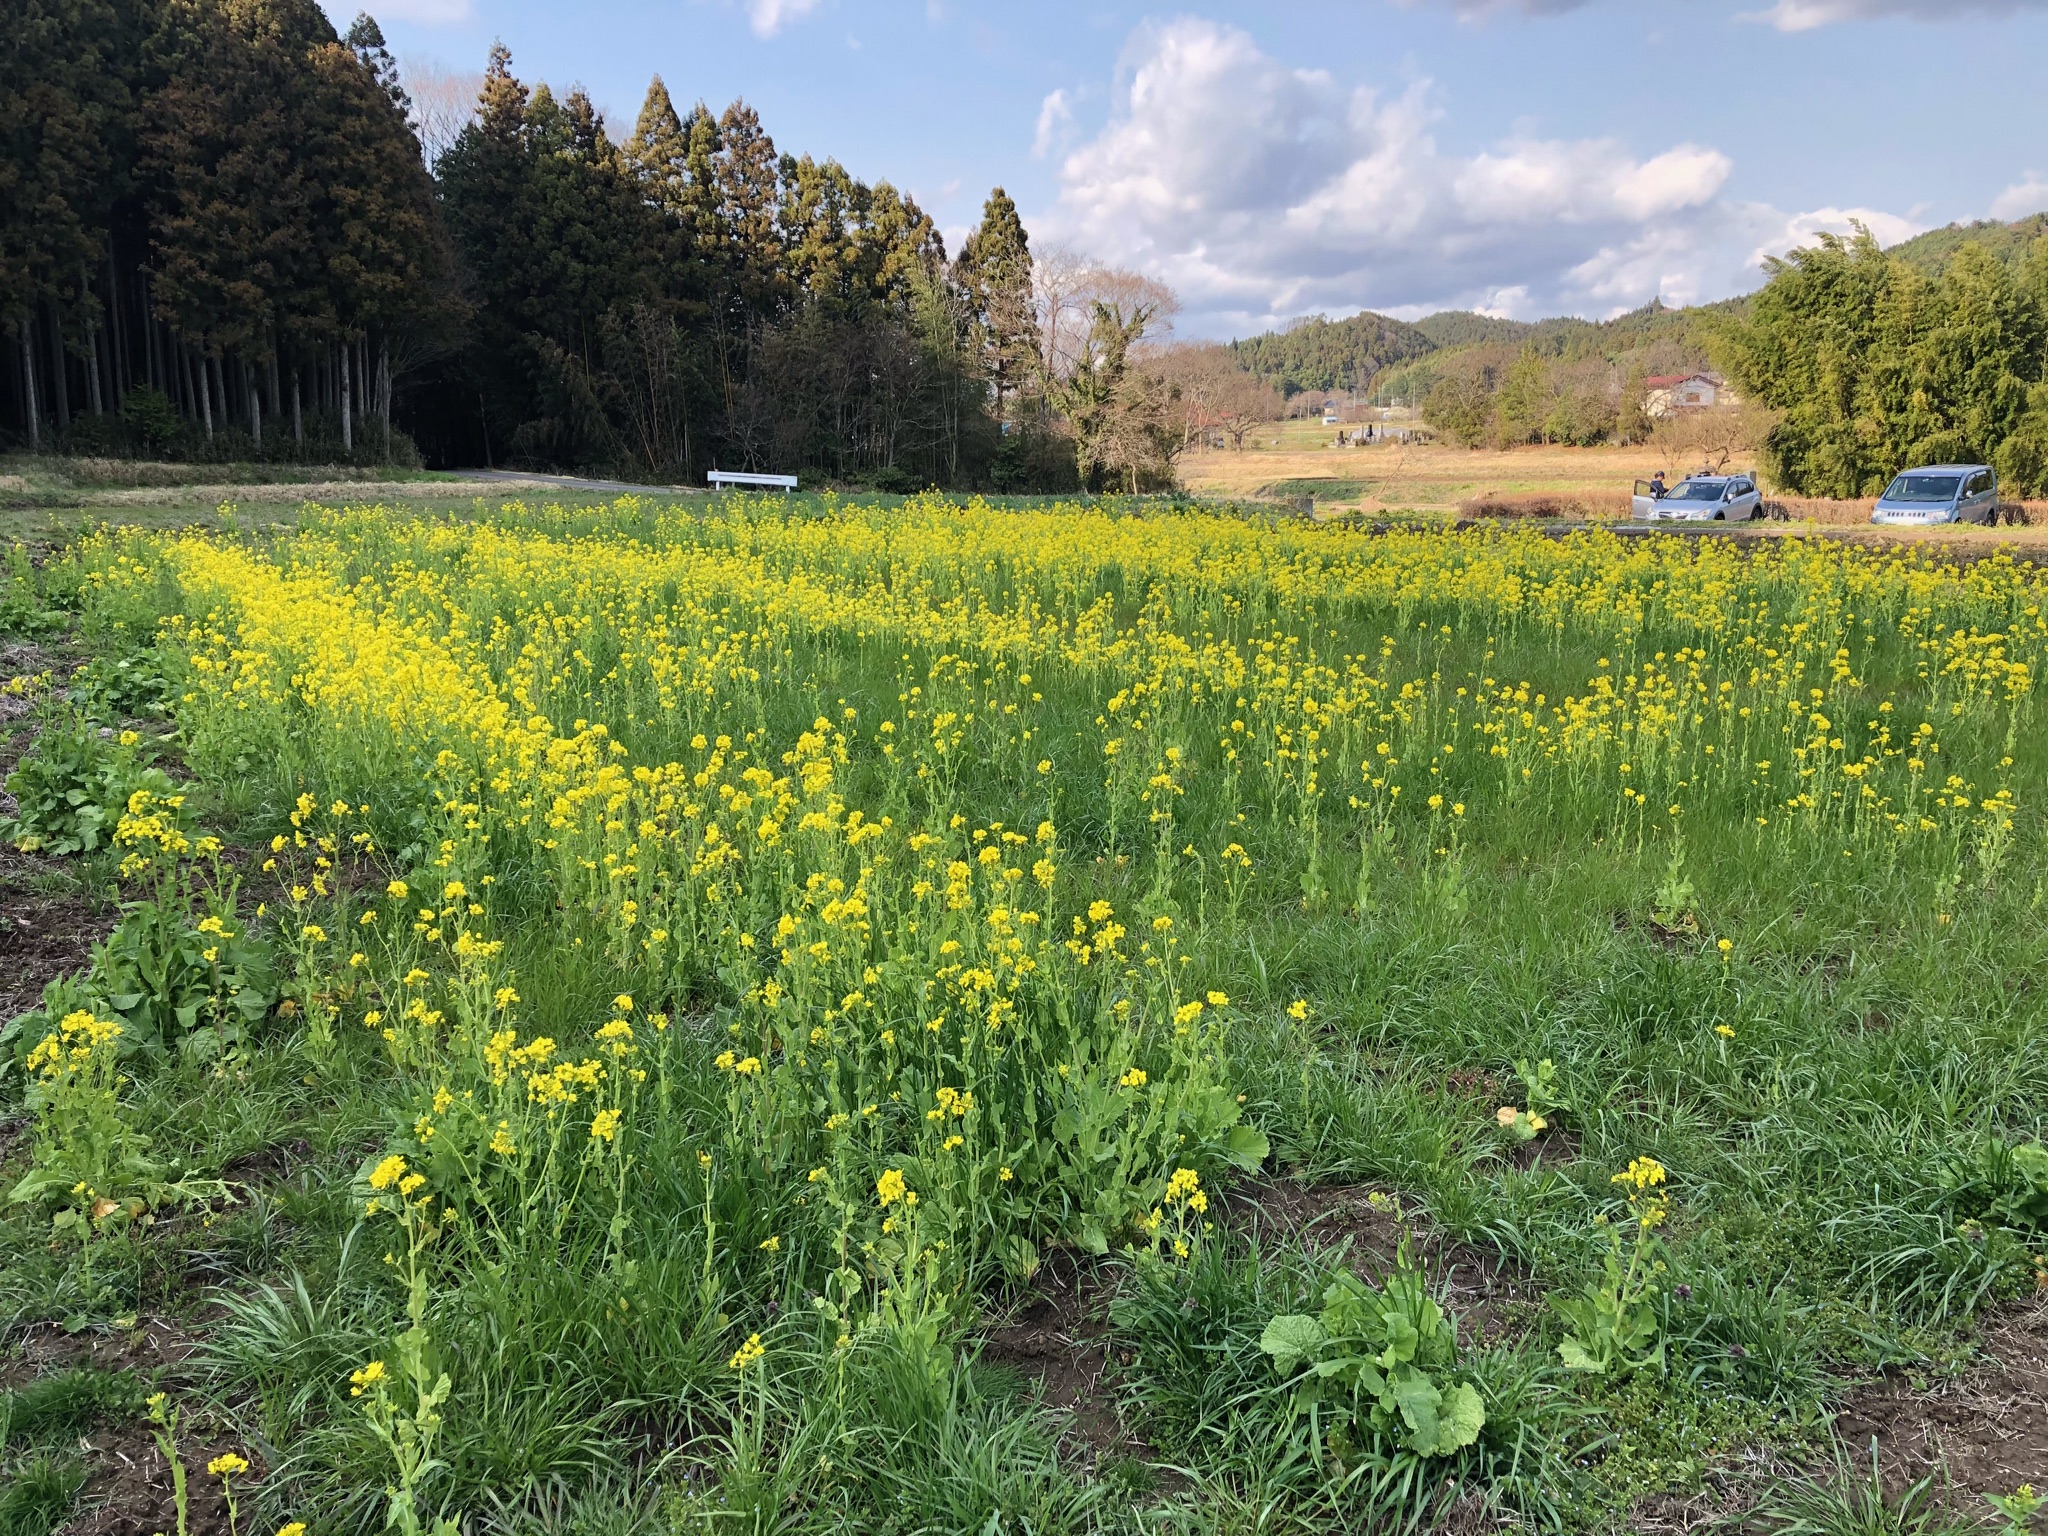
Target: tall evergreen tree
{"type": "Point", "coordinates": [748, 179]}
{"type": "Point", "coordinates": [659, 152]}
{"type": "Point", "coordinates": [224, 199]}
{"type": "Point", "coordinates": [995, 270]}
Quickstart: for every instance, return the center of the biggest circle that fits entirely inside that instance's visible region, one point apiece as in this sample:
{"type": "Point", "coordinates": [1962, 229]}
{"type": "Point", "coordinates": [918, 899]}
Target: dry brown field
{"type": "Point", "coordinates": [1291, 460]}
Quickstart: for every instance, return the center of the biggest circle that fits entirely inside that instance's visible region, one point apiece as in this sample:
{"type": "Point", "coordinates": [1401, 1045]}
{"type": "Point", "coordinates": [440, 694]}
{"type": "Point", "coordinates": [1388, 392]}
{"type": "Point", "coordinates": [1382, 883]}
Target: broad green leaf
{"type": "Point", "coordinates": [1402, 1339]}
{"type": "Point", "coordinates": [1459, 1418]}
{"type": "Point", "coordinates": [1290, 1339]}
{"type": "Point", "coordinates": [1246, 1147]}
{"type": "Point", "coordinates": [1576, 1358]}
{"type": "Point", "coordinates": [1417, 1398]}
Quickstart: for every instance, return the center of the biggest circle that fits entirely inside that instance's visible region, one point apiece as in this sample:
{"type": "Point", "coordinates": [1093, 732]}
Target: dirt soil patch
{"type": "Point", "coordinates": [1988, 1426]}
{"type": "Point", "coordinates": [1059, 1338]}
{"type": "Point", "coordinates": [1491, 1295]}
{"type": "Point", "coordinates": [129, 1492]}
{"type": "Point", "coordinates": [270, 1165]}
{"type": "Point", "coordinates": [128, 1489]}
{"type": "Point", "coordinates": [154, 1344]}
{"type": "Point", "coordinates": [44, 935]}
{"type": "Point", "coordinates": [1059, 1335]}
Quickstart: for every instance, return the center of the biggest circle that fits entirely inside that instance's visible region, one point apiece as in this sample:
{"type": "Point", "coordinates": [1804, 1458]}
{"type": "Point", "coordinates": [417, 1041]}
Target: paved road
{"type": "Point", "coordinates": [575, 483]}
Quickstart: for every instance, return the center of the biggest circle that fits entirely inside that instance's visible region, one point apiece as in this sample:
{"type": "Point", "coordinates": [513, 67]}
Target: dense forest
{"type": "Point", "coordinates": [215, 229]}
{"type": "Point", "coordinates": [220, 239]}
{"type": "Point", "coordinates": [1319, 354]}
{"type": "Point", "coordinates": [1396, 361]}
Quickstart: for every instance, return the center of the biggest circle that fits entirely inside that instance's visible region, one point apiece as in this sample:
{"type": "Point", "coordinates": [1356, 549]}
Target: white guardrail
{"type": "Point", "coordinates": [721, 479]}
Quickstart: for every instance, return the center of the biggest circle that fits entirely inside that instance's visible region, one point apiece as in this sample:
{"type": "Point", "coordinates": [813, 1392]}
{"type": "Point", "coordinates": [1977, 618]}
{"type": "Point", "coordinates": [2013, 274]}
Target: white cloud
{"type": "Point", "coordinates": [2021, 198]}
{"type": "Point", "coordinates": [1055, 115]}
{"type": "Point", "coordinates": [1803, 228]}
{"type": "Point", "coordinates": [1259, 191]}
{"type": "Point", "coordinates": [769, 17]}
{"type": "Point", "coordinates": [1805, 15]}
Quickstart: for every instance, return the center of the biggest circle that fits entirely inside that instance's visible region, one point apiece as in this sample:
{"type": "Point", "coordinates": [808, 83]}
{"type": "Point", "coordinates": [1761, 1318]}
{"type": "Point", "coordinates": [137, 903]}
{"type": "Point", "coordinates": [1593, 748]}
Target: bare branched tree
{"type": "Point", "coordinates": [443, 102]}
{"type": "Point", "coordinates": [1217, 393]}
{"type": "Point", "coordinates": [1066, 287]}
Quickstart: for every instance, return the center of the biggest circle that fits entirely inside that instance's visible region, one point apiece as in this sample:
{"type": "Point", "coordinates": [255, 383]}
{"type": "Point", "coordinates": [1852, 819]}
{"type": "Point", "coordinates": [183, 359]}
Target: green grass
{"type": "Point", "coordinates": [1829, 1210]}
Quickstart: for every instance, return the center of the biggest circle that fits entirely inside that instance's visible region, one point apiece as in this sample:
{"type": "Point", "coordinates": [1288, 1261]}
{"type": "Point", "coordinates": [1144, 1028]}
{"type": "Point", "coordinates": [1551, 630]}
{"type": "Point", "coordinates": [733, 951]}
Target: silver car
{"type": "Point", "coordinates": [1701, 499]}
{"type": "Point", "coordinates": [1940, 493]}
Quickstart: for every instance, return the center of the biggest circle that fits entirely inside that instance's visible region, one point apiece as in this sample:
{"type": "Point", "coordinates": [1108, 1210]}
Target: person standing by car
{"type": "Point", "coordinates": [1657, 485]}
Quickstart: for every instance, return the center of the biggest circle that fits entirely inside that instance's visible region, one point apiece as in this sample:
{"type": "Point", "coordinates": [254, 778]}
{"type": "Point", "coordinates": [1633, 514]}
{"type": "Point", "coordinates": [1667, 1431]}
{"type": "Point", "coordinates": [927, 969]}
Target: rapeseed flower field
{"type": "Point", "coordinates": [1484, 1027]}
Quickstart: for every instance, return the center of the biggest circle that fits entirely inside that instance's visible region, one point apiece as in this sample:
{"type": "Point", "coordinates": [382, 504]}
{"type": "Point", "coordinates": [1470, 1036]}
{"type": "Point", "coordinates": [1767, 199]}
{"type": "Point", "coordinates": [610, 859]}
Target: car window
{"type": "Point", "coordinates": [1934, 488]}
{"type": "Point", "coordinates": [1980, 482]}
{"type": "Point", "coordinates": [1696, 490]}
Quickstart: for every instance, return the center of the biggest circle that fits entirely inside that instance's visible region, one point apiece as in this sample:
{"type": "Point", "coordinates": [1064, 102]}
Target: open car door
{"type": "Point", "coordinates": [1643, 501]}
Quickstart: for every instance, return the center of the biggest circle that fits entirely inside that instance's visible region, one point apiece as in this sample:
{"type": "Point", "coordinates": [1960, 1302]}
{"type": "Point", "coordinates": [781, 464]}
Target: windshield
{"type": "Point", "coordinates": [1923, 488]}
{"type": "Point", "coordinates": [1696, 490]}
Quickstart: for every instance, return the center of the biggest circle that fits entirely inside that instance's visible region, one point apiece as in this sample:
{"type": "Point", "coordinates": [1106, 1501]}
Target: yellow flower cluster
{"type": "Point", "coordinates": [907, 959]}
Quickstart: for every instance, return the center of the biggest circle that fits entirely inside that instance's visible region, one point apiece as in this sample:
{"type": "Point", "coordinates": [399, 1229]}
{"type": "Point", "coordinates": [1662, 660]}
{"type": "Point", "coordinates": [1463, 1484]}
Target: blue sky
{"type": "Point", "coordinates": [1521, 156]}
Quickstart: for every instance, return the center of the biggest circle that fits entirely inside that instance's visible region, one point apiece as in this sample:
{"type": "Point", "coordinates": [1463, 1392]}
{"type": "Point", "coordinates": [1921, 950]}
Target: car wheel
{"type": "Point", "coordinates": [1720, 517]}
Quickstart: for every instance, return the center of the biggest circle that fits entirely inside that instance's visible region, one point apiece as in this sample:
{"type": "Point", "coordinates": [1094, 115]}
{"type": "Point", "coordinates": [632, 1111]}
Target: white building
{"type": "Point", "coordinates": [1671, 393]}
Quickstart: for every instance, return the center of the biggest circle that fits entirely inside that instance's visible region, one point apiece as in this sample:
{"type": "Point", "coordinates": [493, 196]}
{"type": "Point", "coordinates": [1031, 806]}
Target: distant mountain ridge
{"type": "Point", "coordinates": [1383, 356]}
{"type": "Point", "coordinates": [1390, 358]}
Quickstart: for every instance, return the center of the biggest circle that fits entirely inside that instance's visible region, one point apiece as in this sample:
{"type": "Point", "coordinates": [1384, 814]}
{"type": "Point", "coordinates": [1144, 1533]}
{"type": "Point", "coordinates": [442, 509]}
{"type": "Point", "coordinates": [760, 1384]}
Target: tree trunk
{"type": "Point", "coordinates": [220, 388]}
{"type": "Point", "coordinates": [384, 394]}
{"type": "Point", "coordinates": [270, 377]}
{"type": "Point", "coordinates": [255, 407]}
{"type": "Point", "coordinates": [347, 437]}
{"type": "Point", "coordinates": [298, 420]}
{"type": "Point", "coordinates": [117, 331]}
{"type": "Point", "coordinates": [28, 388]}
{"type": "Point", "coordinates": [61, 399]}
{"type": "Point", "coordinates": [205, 397]}
{"type": "Point", "coordinates": [92, 371]}
{"type": "Point", "coordinates": [93, 397]}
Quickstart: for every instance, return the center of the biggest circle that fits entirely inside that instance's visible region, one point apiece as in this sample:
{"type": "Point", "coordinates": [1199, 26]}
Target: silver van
{"type": "Point", "coordinates": [1940, 493]}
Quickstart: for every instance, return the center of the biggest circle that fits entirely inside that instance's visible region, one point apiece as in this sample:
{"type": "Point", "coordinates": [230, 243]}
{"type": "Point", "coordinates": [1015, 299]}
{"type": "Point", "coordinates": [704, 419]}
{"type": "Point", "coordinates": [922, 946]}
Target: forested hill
{"type": "Point", "coordinates": [1466, 328]}
{"type": "Point", "coordinates": [1320, 353]}
{"type": "Point", "coordinates": [1393, 358]}
{"type": "Point", "coordinates": [1933, 251]}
